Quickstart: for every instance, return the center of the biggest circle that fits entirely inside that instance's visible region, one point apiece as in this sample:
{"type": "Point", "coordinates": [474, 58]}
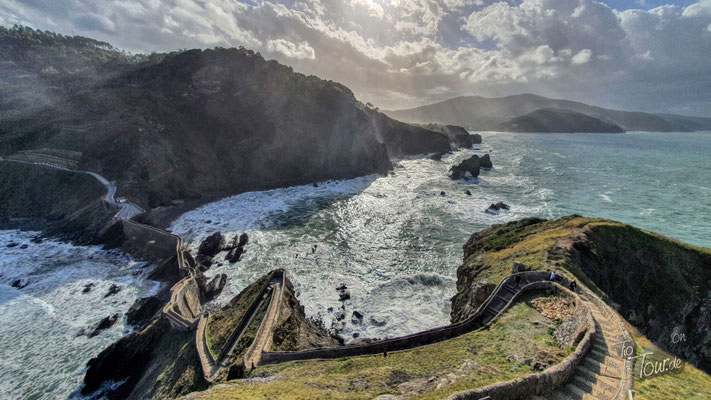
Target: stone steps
{"type": "Point", "coordinates": [596, 387]}
{"type": "Point", "coordinates": [590, 374]}
{"type": "Point", "coordinates": [599, 368]}
{"type": "Point", "coordinates": [559, 395]}
{"type": "Point", "coordinates": [577, 393]}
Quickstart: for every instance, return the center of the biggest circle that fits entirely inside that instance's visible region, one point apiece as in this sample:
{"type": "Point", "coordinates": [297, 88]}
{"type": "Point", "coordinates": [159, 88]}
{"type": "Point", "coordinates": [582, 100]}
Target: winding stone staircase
{"type": "Point", "coordinates": [602, 374]}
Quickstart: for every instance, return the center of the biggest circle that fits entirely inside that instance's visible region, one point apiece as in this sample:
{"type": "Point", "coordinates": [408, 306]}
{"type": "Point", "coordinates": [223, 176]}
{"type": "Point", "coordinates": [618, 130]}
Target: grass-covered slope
{"type": "Point", "coordinates": [221, 324]}
{"type": "Point", "coordinates": [658, 284]}
{"type": "Point", "coordinates": [517, 344]}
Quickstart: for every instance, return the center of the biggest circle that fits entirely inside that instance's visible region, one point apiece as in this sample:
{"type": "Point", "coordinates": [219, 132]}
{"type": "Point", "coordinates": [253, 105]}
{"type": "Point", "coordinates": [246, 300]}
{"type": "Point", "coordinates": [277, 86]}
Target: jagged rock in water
{"type": "Point", "coordinates": [212, 245]}
{"type": "Point", "coordinates": [235, 254]}
{"type": "Point", "coordinates": [340, 315]}
{"type": "Point", "coordinates": [485, 161]}
{"type": "Point", "coordinates": [113, 289]}
{"type": "Point", "coordinates": [215, 286]}
{"type": "Point", "coordinates": [106, 323]}
{"type": "Point", "coordinates": [437, 156]}
{"type": "Point", "coordinates": [469, 193]}
{"type": "Point", "coordinates": [19, 284]}
{"type": "Point", "coordinates": [495, 208]}
{"type": "Point", "coordinates": [471, 165]}
{"type": "Point", "coordinates": [141, 312]}
{"type": "Point", "coordinates": [204, 261]}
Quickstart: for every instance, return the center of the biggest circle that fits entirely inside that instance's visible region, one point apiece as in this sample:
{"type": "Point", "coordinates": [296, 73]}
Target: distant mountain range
{"type": "Point", "coordinates": [522, 113]}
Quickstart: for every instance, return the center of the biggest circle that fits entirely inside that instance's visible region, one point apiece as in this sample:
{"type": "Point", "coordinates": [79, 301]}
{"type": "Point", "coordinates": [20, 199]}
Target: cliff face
{"type": "Point", "coordinates": [71, 204]}
{"type": "Point", "coordinates": [159, 362]}
{"type": "Point", "coordinates": [181, 125]}
{"type": "Point", "coordinates": [661, 286]}
{"type": "Point", "coordinates": [293, 331]}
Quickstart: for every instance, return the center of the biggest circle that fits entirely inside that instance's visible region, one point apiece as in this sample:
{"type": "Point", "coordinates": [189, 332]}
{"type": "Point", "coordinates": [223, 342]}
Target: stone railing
{"type": "Point", "coordinates": [487, 312]}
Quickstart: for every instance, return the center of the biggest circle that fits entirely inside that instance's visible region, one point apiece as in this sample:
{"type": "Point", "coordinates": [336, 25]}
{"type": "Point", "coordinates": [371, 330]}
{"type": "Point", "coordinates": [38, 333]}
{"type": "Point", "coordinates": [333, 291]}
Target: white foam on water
{"type": "Point", "coordinates": [41, 356]}
{"type": "Point", "coordinates": [372, 234]}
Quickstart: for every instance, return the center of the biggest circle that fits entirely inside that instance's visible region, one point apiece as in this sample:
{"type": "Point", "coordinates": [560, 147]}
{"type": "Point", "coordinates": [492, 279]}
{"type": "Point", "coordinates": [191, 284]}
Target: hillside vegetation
{"type": "Point", "coordinates": [429, 372]}
{"type": "Point", "coordinates": [550, 120]}
{"type": "Point", "coordinates": [191, 123]}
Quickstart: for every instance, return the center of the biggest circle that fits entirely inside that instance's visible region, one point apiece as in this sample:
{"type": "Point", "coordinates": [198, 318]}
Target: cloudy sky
{"type": "Point", "coordinates": [651, 55]}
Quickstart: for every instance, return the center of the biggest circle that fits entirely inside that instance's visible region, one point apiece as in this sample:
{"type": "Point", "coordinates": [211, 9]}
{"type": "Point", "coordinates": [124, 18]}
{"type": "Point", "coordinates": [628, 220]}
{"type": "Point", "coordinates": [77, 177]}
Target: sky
{"type": "Point", "coordinates": [648, 55]}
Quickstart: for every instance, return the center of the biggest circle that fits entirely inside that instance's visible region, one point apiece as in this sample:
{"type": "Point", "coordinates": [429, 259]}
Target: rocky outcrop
{"type": "Point", "coordinates": [437, 156]}
{"type": "Point", "coordinates": [213, 288]}
{"type": "Point", "coordinates": [212, 245]}
{"type": "Point", "coordinates": [662, 289]}
{"type": "Point", "coordinates": [472, 165]}
{"type": "Point", "coordinates": [485, 161]}
{"type": "Point", "coordinates": [105, 323]}
{"type": "Point", "coordinates": [459, 136]}
{"type": "Point", "coordinates": [494, 208]}
{"type": "Point", "coordinates": [293, 331]}
{"type": "Point", "coordinates": [402, 139]}
{"type": "Point", "coordinates": [144, 310]}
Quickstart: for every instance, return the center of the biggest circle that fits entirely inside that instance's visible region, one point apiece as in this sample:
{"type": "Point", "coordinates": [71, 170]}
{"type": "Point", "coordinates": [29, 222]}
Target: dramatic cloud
{"type": "Point", "coordinates": [293, 50]}
{"type": "Point", "coordinates": [402, 53]}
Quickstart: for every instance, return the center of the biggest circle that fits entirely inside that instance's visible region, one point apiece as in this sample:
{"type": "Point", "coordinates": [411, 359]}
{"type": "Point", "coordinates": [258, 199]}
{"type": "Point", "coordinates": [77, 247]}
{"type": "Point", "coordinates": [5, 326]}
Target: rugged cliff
{"type": "Point", "coordinates": [192, 123]}
{"type": "Point", "coordinates": [160, 362]}
{"type": "Point", "coordinates": [64, 203]}
{"type": "Point", "coordinates": [660, 285]}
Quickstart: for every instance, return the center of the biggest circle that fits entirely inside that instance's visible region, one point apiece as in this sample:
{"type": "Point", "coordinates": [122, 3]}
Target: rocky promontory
{"type": "Point", "coordinates": [659, 285]}
{"type": "Point", "coordinates": [180, 126]}
{"type": "Point", "coordinates": [161, 362]}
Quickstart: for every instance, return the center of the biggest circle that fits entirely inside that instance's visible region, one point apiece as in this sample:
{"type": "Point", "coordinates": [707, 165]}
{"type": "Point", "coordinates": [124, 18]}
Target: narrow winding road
{"type": "Point", "coordinates": [127, 210]}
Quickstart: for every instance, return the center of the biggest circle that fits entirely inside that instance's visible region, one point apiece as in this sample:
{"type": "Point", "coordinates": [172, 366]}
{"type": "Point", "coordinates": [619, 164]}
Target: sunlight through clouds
{"type": "Point", "coordinates": [399, 54]}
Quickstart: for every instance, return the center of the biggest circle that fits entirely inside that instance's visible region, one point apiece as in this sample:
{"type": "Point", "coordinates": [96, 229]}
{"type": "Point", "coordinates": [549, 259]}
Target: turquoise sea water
{"type": "Point", "coordinates": [656, 181]}
{"type": "Point", "coordinates": [396, 242]}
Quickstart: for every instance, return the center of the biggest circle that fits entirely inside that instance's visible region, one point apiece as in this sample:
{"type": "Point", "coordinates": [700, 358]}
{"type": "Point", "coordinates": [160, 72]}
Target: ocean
{"type": "Point", "coordinates": [395, 241]}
